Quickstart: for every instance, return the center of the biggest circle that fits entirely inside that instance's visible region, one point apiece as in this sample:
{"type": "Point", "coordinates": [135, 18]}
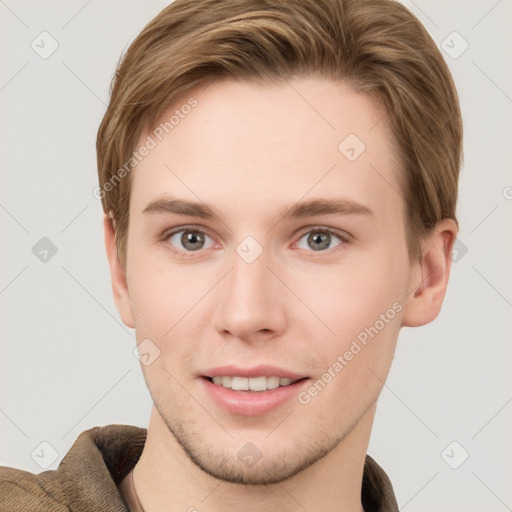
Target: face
{"type": "Point", "coordinates": [266, 241]}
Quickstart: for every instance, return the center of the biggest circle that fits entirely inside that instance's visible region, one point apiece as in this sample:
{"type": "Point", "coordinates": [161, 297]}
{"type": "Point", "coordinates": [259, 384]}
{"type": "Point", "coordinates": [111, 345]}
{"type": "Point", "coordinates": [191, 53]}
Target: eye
{"type": "Point", "coordinates": [320, 239]}
{"type": "Point", "coordinates": [189, 240]}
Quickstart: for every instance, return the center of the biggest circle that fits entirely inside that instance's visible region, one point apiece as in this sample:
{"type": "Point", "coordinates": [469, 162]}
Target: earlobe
{"type": "Point", "coordinates": [117, 275]}
{"type": "Point", "coordinates": [430, 276]}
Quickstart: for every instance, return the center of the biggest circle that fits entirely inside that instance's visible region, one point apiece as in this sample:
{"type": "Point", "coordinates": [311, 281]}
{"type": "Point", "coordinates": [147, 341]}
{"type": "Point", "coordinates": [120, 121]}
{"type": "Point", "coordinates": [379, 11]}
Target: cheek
{"type": "Point", "coordinates": [356, 359]}
{"type": "Point", "coordinates": [169, 308]}
{"type": "Point", "coordinates": [353, 297]}
{"type": "Point", "coordinates": [157, 293]}
{"type": "Point", "coordinates": [362, 308]}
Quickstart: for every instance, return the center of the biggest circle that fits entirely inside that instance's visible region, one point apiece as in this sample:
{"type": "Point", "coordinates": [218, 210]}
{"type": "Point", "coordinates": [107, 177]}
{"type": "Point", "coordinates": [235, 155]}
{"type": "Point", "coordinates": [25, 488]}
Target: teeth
{"type": "Point", "coordinates": [257, 383]}
{"type": "Point", "coordinates": [252, 383]}
{"type": "Point", "coordinates": [240, 384]}
{"type": "Point", "coordinates": [226, 381]}
{"type": "Point", "coordinates": [272, 382]}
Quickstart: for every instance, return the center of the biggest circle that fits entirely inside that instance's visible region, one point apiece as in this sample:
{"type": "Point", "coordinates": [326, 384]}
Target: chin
{"type": "Point", "coordinates": [250, 458]}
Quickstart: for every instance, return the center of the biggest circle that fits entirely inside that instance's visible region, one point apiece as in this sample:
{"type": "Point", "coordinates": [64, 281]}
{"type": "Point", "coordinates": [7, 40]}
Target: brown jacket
{"type": "Point", "coordinates": [87, 478]}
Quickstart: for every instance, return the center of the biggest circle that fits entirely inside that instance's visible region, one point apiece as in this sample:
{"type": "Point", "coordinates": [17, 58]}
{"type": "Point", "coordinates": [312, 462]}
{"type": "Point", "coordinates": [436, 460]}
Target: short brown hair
{"type": "Point", "coordinates": [377, 46]}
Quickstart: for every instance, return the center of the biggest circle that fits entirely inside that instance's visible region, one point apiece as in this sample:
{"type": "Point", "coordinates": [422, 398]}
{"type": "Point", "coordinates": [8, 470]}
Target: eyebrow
{"type": "Point", "coordinates": [180, 207]}
{"type": "Point", "coordinates": [309, 208]}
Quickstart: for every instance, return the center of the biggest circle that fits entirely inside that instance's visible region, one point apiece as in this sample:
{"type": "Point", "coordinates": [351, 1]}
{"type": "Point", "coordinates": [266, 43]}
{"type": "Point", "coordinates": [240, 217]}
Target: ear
{"type": "Point", "coordinates": [117, 275]}
{"type": "Point", "coordinates": [429, 277]}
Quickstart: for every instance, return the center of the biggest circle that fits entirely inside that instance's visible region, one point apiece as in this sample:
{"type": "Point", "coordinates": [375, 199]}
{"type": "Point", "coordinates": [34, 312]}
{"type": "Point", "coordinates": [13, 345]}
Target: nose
{"type": "Point", "coordinates": [250, 300]}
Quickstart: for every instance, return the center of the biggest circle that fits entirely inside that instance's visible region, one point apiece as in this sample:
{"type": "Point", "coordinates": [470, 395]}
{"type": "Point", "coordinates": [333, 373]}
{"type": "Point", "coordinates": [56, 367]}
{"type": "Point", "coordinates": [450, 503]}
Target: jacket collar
{"type": "Point", "coordinates": [109, 453]}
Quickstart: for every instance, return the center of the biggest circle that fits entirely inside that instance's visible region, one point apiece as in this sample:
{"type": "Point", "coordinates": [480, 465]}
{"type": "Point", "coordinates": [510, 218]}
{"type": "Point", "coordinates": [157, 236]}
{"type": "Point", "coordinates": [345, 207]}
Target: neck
{"type": "Point", "coordinates": [166, 479]}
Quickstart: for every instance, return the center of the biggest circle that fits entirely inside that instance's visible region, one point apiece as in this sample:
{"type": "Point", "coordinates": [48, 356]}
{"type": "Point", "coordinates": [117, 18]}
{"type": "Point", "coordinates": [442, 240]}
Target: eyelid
{"type": "Point", "coordinates": [187, 227]}
{"type": "Point", "coordinates": [344, 236]}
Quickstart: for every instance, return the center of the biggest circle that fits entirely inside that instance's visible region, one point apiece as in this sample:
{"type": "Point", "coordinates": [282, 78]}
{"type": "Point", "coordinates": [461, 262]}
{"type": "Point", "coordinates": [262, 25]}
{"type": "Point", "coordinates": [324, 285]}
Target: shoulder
{"type": "Point", "coordinates": [22, 491]}
{"type": "Point", "coordinates": [377, 491]}
{"type": "Point", "coordinates": [86, 478]}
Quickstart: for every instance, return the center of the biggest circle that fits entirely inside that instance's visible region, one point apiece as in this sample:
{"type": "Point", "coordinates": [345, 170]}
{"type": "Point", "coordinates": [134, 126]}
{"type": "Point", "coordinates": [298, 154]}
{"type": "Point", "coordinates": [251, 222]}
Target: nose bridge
{"type": "Point", "coordinates": [249, 300]}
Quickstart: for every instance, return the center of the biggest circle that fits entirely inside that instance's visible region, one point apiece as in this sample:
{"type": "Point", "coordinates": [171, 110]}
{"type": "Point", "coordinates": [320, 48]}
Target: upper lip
{"type": "Point", "coordinates": [260, 370]}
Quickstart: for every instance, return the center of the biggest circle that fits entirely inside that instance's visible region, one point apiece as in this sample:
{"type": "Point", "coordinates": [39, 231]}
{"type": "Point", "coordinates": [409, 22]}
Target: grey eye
{"type": "Point", "coordinates": [319, 240]}
{"type": "Point", "coordinates": [190, 240]}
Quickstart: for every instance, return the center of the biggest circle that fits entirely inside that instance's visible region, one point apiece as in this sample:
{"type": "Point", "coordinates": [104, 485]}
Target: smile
{"type": "Point", "coordinates": [261, 383]}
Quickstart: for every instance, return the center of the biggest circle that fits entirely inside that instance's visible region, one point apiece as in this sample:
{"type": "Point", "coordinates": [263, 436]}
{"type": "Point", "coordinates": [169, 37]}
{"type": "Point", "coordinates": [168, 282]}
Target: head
{"type": "Point", "coordinates": [320, 141]}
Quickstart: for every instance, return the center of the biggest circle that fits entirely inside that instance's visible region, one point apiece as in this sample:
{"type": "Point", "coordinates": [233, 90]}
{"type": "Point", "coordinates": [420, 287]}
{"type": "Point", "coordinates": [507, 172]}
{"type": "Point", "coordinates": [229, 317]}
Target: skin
{"type": "Point", "coordinates": [250, 150]}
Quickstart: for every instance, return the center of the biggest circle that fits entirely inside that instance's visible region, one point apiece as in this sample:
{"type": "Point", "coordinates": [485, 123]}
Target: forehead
{"type": "Point", "coordinates": [264, 145]}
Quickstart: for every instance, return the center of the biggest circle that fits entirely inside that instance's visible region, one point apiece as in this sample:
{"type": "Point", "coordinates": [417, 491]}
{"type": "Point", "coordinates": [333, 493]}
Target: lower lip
{"type": "Point", "coordinates": [251, 403]}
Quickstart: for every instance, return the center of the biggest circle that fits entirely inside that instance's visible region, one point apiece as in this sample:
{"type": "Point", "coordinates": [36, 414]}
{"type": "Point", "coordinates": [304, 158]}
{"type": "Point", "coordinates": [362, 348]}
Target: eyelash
{"type": "Point", "coordinates": [344, 239]}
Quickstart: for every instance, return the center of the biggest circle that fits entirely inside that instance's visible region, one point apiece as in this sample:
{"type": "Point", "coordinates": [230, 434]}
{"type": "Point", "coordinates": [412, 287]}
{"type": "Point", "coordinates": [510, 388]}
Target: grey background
{"type": "Point", "coordinates": [67, 361]}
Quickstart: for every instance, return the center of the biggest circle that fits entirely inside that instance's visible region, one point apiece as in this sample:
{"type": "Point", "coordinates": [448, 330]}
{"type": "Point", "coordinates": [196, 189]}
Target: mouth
{"type": "Point", "coordinates": [251, 391]}
{"type": "Point", "coordinates": [256, 384]}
